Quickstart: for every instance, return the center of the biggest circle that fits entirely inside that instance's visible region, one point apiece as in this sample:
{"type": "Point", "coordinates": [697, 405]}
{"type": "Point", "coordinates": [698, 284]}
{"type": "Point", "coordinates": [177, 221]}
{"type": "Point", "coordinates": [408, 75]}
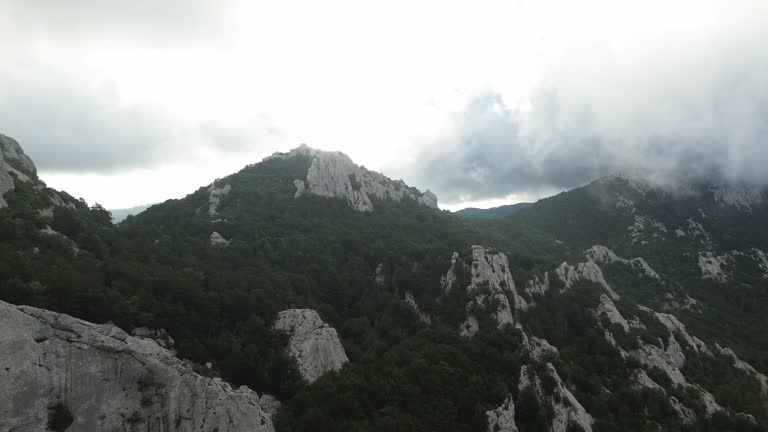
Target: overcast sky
{"type": "Point", "coordinates": [130, 102]}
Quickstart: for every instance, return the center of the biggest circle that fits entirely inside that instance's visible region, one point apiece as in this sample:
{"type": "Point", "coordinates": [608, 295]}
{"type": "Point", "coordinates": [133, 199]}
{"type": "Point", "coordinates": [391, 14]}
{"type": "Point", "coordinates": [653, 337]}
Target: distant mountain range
{"type": "Point", "coordinates": [119, 215]}
{"type": "Point", "coordinates": [493, 212]}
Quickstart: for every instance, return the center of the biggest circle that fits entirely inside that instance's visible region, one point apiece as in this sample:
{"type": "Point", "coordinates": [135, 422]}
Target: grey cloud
{"type": "Point", "coordinates": [66, 126]}
{"type": "Point", "coordinates": [692, 114]}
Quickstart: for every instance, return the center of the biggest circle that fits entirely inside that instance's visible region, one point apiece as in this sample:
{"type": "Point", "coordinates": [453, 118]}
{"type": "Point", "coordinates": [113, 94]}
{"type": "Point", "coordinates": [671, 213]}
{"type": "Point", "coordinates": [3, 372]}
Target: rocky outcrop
{"type": "Point", "coordinates": [668, 355]}
{"type": "Point", "coordinates": [601, 254]}
{"type": "Point", "coordinates": [449, 278]}
{"type": "Point", "coordinates": [645, 228]}
{"type": "Point", "coordinates": [712, 267]}
{"type": "Point", "coordinates": [607, 309]}
{"type": "Point", "coordinates": [502, 419]}
{"type": "Point", "coordinates": [334, 175]}
{"type": "Point", "coordinates": [716, 267]}
{"type": "Point", "coordinates": [313, 344]}
{"type": "Point", "coordinates": [109, 381]}
{"type": "Point", "coordinates": [217, 240]}
{"type": "Point", "coordinates": [566, 409]}
{"type": "Point", "coordinates": [540, 350]}
{"type": "Point", "coordinates": [491, 285]}
{"type": "Point", "coordinates": [588, 271]}
{"type": "Point", "coordinates": [215, 194]}
{"type": "Point", "coordinates": [14, 164]}
{"type": "Point", "coordinates": [411, 301]}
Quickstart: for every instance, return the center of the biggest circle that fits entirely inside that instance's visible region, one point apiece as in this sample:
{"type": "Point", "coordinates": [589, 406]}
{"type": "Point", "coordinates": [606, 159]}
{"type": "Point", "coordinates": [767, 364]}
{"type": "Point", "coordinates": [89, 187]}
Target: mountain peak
{"type": "Point", "coordinates": [333, 174]}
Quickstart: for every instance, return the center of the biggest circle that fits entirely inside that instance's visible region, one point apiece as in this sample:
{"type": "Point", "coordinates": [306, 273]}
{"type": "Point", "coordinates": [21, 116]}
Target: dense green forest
{"type": "Point", "coordinates": [160, 270]}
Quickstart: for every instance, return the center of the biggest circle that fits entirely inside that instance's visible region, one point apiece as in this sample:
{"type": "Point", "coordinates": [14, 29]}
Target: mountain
{"type": "Point", "coordinates": [358, 305]}
{"type": "Point", "coordinates": [119, 215]}
{"type": "Point", "coordinates": [493, 212]}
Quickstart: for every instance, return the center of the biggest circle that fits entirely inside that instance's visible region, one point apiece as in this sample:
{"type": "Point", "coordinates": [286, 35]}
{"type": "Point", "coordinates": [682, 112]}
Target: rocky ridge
{"type": "Point", "coordinates": [335, 175]}
{"type": "Point", "coordinates": [491, 283]}
{"type": "Point", "coordinates": [669, 355]}
{"type": "Point", "coordinates": [313, 344]}
{"type": "Point", "coordinates": [107, 380]}
{"type": "Point", "coordinates": [601, 254]}
{"type": "Point", "coordinates": [566, 408]}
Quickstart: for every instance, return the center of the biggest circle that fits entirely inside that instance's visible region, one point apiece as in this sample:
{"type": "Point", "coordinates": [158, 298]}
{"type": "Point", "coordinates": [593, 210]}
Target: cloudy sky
{"type": "Point", "coordinates": [130, 102]}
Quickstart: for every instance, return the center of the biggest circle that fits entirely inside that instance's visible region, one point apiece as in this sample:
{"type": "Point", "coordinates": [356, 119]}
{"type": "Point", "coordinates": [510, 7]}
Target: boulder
{"type": "Point", "coordinates": [313, 344]}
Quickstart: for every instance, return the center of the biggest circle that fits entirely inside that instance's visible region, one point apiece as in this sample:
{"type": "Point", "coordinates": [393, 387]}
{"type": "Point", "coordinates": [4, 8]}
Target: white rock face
{"type": "Point", "coordinates": [584, 271]}
{"type": "Point", "coordinates": [313, 344]}
{"type": "Point", "coordinates": [492, 282]}
{"type": "Point", "coordinates": [11, 153]}
{"type": "Point", "coordinates": [218, 241]}
{"type": "Point", "coordinates": [108, 380]}
{"type": "Point", "coordinates": [540, 349]}
{"type": "Point", "coordinates": [538, 286]}
{"type": "Point", "coordinates": [607, 309]}
{"type": "Point", "coordinates": [449, 279]}
{"type": "Point", "coordinates": [502, 419]}
{"type": "Point", "coordinates": [601, 254]}
{"type": "Point", "coordinates": [566, 408]}
{"type": "Point", "coordinates": [334, 175]}
{"type": "Point", "coordinates": [214, 197]}
{"type": "Point", "coordinates": [642, 380]}
{"type": "Point", "coordinates": [419, 313]}
{"type": "Point", "coordinates": [712, 266]}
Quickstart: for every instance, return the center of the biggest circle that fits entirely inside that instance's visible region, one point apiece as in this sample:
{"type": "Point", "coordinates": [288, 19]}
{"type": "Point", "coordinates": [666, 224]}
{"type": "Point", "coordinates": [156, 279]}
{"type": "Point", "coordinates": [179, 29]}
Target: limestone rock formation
{"type": "Point", "coordinates": [215, 194]}
{"type": "Point", "coordinates": [218, 241]}
{"type": "Point", "coordinates": [491, 283]}
{"type": "Point", "coordinates": [313, 344]}
{"type": "Point", "coordinates": [565, 407]}
{"type": "Point", "coordinates": [109, 381]}
{"type": "Point", "coordinates": [502, 419]}
{"type": "Point", "coordinates": [14, 164]}
{"type": "Point", "coordinates": [334, 175]}
{"type": "Point", "coordinates": [411, 301]}
{"type": "Point", "coordinates": [589, 271]}
{"type": "Point", "coordinates": [449, 278]}
{"type": "Point", "coordinates": [712, 267]}
{"type": "Point", "coordinates": [540, 349]}
{"type": "Point", "coordinates": [601, 254]}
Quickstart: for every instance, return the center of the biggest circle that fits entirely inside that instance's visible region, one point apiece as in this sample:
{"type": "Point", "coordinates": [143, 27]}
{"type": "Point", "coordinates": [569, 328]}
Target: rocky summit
{"type": "Point", "coordinates": [333, 174]}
